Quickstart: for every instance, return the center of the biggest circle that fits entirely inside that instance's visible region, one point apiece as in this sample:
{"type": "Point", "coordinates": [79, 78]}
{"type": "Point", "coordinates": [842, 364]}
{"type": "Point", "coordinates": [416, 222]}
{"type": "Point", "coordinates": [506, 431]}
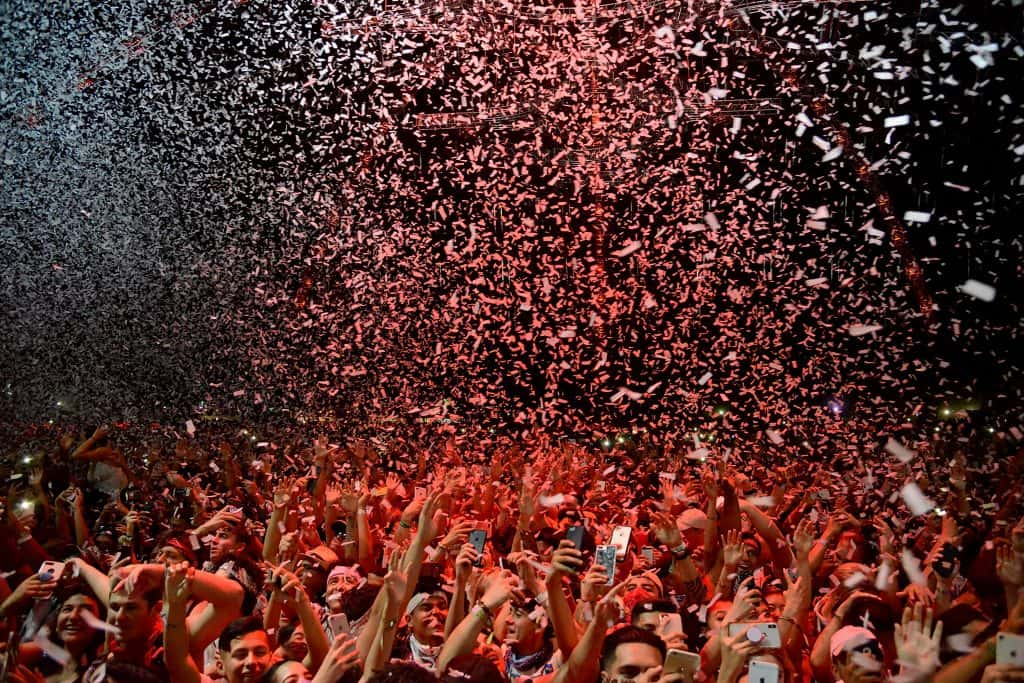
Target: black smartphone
{"type": "Point", "coordinates": [574, 534]}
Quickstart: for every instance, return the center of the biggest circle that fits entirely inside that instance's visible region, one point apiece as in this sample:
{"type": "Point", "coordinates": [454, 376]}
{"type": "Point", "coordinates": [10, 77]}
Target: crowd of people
{"type": "Point", "coordinates": [237, 560]}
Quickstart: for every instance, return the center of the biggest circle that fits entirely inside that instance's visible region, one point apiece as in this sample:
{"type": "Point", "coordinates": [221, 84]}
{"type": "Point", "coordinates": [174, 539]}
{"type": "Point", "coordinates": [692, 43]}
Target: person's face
{"type": "Point", "coordinates": [71, 627]}
{"type": "Point", "coordinates": [224, 545]}
{"type": "Point", "coordinates": [313, 577]}
{"type": "Point", "coordinates": [342, 583]}
{"type": "Point", "coordinates": [716, 615]}
{"type": "Point", "coordinates": [773, 604]}
{"type": "Point", "coordinates": [649, 621]}
{"type": "Point", "coordinates": [296, 647]}
{"type": "Point", "coordinates": [751, 554]}
{"type": "Point", "coordinates": [631, 660]}
{"type": "Point", "coordinates": [248, 658]}
{"type": "Point", "coordinates": [291, 672]}
{"type": "Point", "coordinates": [168, 555]}
{"type": "Point", "coordinates": [862, 665]}
{"type": "Point", "coordinates": [644, 583]}
{"type": "Point", "coordinates": [135, 617]}
{"type": "Point", "coordinates": [427, 620]}
{"type": "Point", "coordinates": [521, 630]}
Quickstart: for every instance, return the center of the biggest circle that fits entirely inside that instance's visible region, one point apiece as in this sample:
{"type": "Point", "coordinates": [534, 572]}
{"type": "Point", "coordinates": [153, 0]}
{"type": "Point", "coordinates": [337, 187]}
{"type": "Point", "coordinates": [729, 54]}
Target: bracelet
{"type": "Point", "coordinates": [790, 620]}
{"type": "Point", "coordinates": [681, 551]}
{"type": "Point", "coordinates": [542, 599]}
{"type": "Point", "coordinates": [405, 525]}
{"type": "Point", "coordinates": [480, 612]}
{"type": "Point", "coordinates": [485, 608]}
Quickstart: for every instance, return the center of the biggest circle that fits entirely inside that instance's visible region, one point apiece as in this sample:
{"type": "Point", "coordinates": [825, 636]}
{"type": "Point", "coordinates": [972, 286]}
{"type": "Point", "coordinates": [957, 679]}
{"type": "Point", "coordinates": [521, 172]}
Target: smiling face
{"type": "Point", "coordinates": [290, 672]}
{"type": "Point", "coordinates": [71, 627]}
{"type": "Point", "coordinates": [427, 620]}
{"type": "Point", "coordinates": [135, 618]}
{"type": "Point", "coordinates": [247, 658]}
{"type": "Point", "coordinates": [522, 633]}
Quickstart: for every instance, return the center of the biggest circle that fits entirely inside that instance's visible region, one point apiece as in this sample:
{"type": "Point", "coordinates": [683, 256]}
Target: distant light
{"type": "Point", "coordinates": [25, 505]}
{"type": "Point", "coordinates": [27, 459]}
{"type": "Point", "coordinates": [946, 412]}
{"type": "Point", "coordinates": [940, 512]}
{"type": "Point", "coordinates": [620, 439]}
{"type": "Point", "coordinates": [606, 443]}
{"type": "Point", "coordinates": [990, 430]}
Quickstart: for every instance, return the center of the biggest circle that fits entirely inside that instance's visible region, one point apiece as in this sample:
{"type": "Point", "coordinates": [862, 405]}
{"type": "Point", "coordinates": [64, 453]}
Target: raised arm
{"type": "Point", "coordinates": [567, 560]}
{"type": "Point", "coordinates": [177, 590]}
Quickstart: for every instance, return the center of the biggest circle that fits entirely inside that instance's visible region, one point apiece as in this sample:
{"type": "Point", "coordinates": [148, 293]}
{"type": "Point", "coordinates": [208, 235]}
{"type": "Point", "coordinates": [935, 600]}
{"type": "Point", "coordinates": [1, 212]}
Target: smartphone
{"type": "Point", "coordinates": [763, 672]}
{"type": "Point", "coordinates": [1009, 649]}
{"type": "Point", "coordinates": [574, 534]}
{"type": "Point", "coordinates": [648, 552]}
{"type": "Point", "coordinates": [681, 662]}
{"type": "Point", "coordinates": [669, 624]}
{"type": "Point", "coordinates": [233, 510]}
{"type": "Point", "coordinates": [605, 557]}
{"type": "Point", "coordinates": [620, 539]}
{"type": "Point", "coordinates": [338, 623]}
{"type": "Point", "coordinates": [51, 571]}
{"type": "Point", "coordinates": [478, 538]}
{"type": "Point", "coordinates": [762, 634]}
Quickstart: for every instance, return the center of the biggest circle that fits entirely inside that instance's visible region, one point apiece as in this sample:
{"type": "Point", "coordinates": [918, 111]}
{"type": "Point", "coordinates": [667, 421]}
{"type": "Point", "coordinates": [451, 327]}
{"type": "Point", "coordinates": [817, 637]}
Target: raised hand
{"type": "Point", "coordinates": [665, 530]}
{"type": "Point", "coordinates": [341, 658]}
{"type": "Point", "coordinates": [464, 563]}
{"type": "Point", "coordinates": [565, 561]}
{"type": "Point", "coordinates": [458, 534]}
{"type": "Point", "coordinates": [178, 583]}
{"type": "Point", "coordinates": [736, 650]}
{"type": "Point", "coordinates": [917, 643]}
{"type": "Point", "coordinates": [1009, 566]}
{"type": "Point", "coordinates": [607, 610]}
{"type": "Point", "coordinates": [1002, 673]}
{"type": "Point", "coordinates": [500, 587]}
{"type": "Point", "coordinates": [287, 585]}
{"type": "Point", "coordinates": [594, 584]}
{"type": "Point", "coordinates": [744, 605]}
{"type": "Point", "coordinates": [732, 548]}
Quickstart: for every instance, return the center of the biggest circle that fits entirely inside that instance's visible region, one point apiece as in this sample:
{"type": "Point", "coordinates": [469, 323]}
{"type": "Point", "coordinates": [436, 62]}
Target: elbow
{"type": "Point", "coordinates": [233, 599]}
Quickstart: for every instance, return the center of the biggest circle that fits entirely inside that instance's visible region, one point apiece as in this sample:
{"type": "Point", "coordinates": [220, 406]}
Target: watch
{"type": "Point", "coordinates": [681, 551]}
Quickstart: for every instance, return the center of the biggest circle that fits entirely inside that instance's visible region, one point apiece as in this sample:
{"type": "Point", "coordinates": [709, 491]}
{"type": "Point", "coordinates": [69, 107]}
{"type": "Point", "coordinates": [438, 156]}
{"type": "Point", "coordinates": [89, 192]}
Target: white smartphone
{"type": "Point", "coordinates": [1009, 649]}
{"type": "Point", "coordinates": [620, 539]}
{"type": "Point", "coordinates": [338, 624]}
{"type": "Point", "coordinates": [762, 672]}
{"type": "Point", "coordinates": [50, 570]}
{"type": "Point", "coordinates": [682, 662]}
{"type": "Point", "coordinates": [669, 624]}
{"type": "Point", "coordinates": [762, 634]}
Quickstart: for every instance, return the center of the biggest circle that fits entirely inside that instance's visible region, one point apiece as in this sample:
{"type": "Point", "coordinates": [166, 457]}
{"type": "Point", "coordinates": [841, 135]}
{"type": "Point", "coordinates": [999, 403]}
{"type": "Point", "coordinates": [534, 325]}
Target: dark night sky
{"type": "Point", "coordinates": [231, 204]}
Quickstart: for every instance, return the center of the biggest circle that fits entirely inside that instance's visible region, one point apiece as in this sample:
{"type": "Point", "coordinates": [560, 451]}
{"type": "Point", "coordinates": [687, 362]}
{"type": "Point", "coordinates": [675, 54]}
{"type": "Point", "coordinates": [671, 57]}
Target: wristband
{"type": "Point", "coordinates": [542, 599]}
{"type": "Point", "coordinates": [405, 525]}
{"type": "Point", "coordinates": [681, 551]}
{"type": "Point", "coordinates": [486, 610]}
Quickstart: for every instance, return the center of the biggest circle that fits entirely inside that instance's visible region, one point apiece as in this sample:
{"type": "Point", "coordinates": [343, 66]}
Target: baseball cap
{"type": "Point", "coordinates": [321, 556]}
{"type": "Point", "coordinates": [850, 638]}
